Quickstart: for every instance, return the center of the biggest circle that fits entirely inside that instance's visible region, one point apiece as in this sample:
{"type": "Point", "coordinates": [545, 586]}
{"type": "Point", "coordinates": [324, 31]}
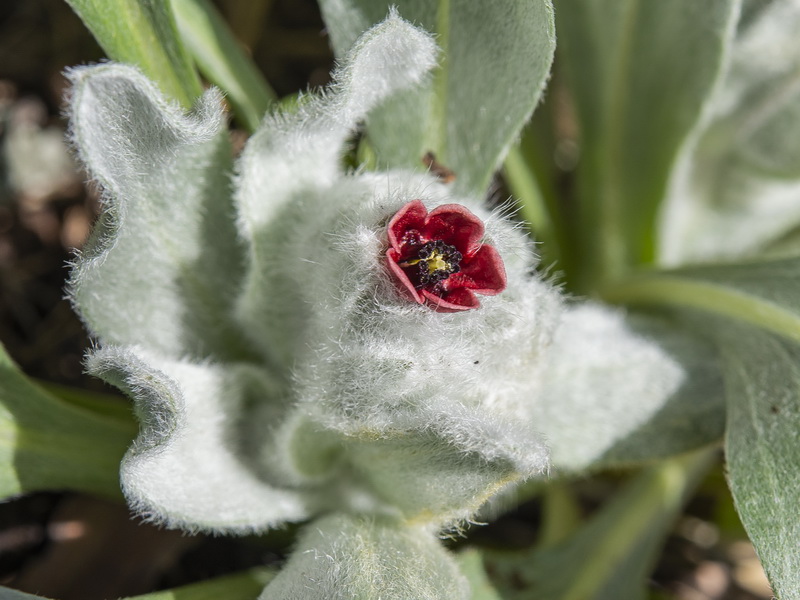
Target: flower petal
{"type": "Point", "coordinates": [148, 275]}
{"type": "Point", "coordinates": [342, 557]}
{"type": "Point", "coordinates": [188, 468]}
{"type": "Point", "coordinates": [411, 216]}
{"type": "Point", "coordinates": [483, 273]}
{"type": "Point", "coordinates": [392, 259]}
{"type": "Point", "coordinates": [452, 301]}
{"type": "Point", "coordinates": [455, 225]}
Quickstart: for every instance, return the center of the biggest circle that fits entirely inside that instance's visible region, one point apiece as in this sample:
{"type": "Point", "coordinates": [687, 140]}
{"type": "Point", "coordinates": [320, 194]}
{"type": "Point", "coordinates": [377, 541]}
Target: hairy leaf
{"type": "Point", "coordinates": [190, 465]}
{"type": "Point", "coordinates": [625, 389]}
{"type": "Point", "coordinates": [495, 61]}
{"type": "Point", "coordinates": [342, 557]}
{"type": "Point", "coordinates": [148, 275]}
{"type": "Point", "coordinates": [762, 444]}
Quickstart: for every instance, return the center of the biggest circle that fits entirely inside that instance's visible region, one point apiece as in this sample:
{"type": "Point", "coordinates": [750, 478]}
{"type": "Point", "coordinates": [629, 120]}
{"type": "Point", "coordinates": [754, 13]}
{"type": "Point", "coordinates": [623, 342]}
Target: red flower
{"type": "Point", "coordinates": [438, 258]}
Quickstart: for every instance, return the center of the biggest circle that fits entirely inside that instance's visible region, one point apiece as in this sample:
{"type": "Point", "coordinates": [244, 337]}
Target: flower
{"type": "Point", "coordinates": [438, 257]}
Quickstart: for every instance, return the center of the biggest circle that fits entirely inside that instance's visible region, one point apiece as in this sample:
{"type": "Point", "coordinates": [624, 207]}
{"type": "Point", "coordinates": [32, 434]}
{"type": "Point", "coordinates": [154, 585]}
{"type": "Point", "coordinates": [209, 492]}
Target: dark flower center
{"type": "Point", "coordinates": [435, 262]}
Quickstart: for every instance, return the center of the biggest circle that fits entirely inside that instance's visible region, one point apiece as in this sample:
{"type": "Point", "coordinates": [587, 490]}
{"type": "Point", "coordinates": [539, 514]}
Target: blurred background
{"type": "Point", "coordinates": [73, 547]}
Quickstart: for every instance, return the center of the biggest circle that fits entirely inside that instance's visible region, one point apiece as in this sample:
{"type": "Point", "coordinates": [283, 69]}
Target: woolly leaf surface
{"type": "Point", "coordinates": [626, 389]}
{"type": "Point", "coordinates": [189, 466]}
{"type": "Point", "coordinates": [342, 557]}
{"type": "Point", "coordinates": [292, 162]}
{"type": "Point", "coordinates": [163, 263]}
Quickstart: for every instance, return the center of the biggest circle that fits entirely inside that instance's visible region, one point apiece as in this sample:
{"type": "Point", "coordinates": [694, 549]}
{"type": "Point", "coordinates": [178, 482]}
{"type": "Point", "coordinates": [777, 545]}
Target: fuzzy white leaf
{"type": "Point", "coordinates": [291, 154]}
{"type": "Point", "coordinates": [189, 467]}
{"type": "Point", "coordinates": [622, 390]}
{"type": "Point", "coordinates": [342, 557]}
{"type": "Point", "coordinates": [292, 160]}
{"type": "Point", "coordinates": [148, 275]}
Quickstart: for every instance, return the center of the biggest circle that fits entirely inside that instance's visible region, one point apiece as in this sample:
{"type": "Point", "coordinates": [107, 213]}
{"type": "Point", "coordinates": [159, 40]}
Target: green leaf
{"type": "Point", "coordinates": [48, 444]}
{"type": "Point", "coordinates": [761, 353]}
{"type": "Point", "coordinates": [241, 586]}
{"type": "Point", "coordinates": [493, 67]}
{"type": "Point", "coordinates": [143, 33]}
{"type": "Point", "coordinates": [739, 184]}
{"type": "Point", "coordinates": [223, 60]}
{"type": "Point", "coordinates": [471, 563]}
{"type": "Point", "coordinates": [759, 116]}
{"type": "Point", "coordinates": [102, 404]}
{"type": "Point", "coordinates": [640, 74]}
{"type": "Point", "coordinates": [763, 293]}
{"type": "Point", "coordinates": [762, 373]}
{"type": "Point", "coordinates": [612, 555]}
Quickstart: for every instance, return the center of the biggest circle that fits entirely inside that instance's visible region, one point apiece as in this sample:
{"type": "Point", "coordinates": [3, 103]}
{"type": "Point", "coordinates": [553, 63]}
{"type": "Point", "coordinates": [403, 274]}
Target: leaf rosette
{"type": "Point", "coordinates": [278, 329]}
{"type": "Point", "coordinates": [279, 371]}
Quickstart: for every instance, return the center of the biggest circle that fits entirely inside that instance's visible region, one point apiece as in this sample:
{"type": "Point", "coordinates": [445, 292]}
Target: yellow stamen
{"type": "Point", "coordinates": [437, 262]}
{"type": "Point", "coordinates": [434, 262]}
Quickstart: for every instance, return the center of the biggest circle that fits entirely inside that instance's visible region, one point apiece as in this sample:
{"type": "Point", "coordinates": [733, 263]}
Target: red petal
{"type": "Point", "coordinates": [392, 257]}
{"type": "Point", "coordinates": [482, 272]}
{"type": "Point", "coordinates": [455, 301]}
{"type": "Point", "coordinates": [455, 225]}
{"type": "Point", "coordinates": [411, 216]}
